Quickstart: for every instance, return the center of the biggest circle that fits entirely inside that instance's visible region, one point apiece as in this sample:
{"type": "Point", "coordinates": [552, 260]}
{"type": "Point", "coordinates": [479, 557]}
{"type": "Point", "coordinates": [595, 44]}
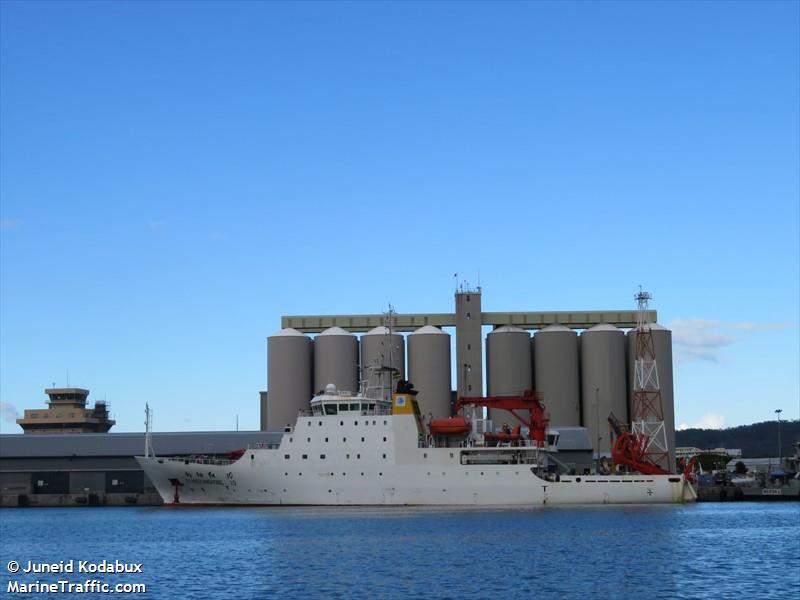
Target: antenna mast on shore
{"type": "Point", "coordinates": [647, 418]}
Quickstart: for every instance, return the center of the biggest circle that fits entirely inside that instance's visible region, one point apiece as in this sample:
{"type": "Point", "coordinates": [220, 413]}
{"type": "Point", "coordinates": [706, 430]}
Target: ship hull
{"type": "Point", "coordinates": [254, 481]}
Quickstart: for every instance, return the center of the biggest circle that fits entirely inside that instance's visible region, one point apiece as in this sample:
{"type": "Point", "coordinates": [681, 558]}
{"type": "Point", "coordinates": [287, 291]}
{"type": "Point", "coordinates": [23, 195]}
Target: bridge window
{"type": "Point", "coordinates": [343, 406]}
{"type": "Point", "coordinates": [330, 409]}
{"type": "Point", "coordinates": [354, 406]}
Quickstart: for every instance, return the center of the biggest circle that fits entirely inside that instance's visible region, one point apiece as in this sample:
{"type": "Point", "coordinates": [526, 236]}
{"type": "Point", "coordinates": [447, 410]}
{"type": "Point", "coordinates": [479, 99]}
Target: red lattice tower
{"type": "Point", "coordinates": [647, 418]}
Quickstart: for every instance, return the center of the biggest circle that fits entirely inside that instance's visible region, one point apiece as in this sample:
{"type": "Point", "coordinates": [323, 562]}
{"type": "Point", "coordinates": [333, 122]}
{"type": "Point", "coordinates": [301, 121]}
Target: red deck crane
{"type": "Point", "coordinates": [530, 401]}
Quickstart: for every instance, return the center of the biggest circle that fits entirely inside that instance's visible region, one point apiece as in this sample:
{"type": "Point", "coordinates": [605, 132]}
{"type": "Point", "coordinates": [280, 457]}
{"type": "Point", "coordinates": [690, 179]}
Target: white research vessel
{"type": "Point", "coordinates": [357, 450]}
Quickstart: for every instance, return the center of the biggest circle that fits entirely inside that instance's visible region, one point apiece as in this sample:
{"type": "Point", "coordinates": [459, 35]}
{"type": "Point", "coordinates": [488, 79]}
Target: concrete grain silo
{"type": "Point", "coordinates": [604, 387]}
{"type": "Point", "coordinates": [429, 370]}
{"type": "Point", "coordinates": [378, 350]}
{"type": "Point", "coordinates": [336, 360]}
{"type": "Point", "coordinates": [557, 374]}
{"type": "Point", "coordinates": [289, 377]}
{"type": "Point", "coordinates": [662, 344]}
{"type": "Point", "coordinates": [508, 368]}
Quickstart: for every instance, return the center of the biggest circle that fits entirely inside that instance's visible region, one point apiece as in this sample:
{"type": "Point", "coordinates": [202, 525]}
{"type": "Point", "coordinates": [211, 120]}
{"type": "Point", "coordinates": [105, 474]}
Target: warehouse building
{"type": "Point", "coordinates": [100, 468]}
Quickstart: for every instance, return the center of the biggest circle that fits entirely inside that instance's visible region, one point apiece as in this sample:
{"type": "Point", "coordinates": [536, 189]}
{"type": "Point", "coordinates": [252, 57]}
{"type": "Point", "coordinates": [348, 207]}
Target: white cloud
{"type": "Point", "coordinates": [8, 413]}
{"type": "Point", "coordinates": [708, 421]}
{"type": "Point", "coordinates": [703, 339]}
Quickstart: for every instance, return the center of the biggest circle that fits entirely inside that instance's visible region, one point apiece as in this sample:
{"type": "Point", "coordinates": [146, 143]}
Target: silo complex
{"type": "Point", "coordinates": [378, 350]}
{"type": "Point", "coordinates": [429, 370]}
{"type": "Point", "coordinates": [603, 382]}
{"type": "Point", "coordinates": [557, 374]}
{"type": "Point", "coordinates": [662, 345]}
{"type": "Point", "coordinates": [508, 368]}
{"type": "Point", "coordinates": [336, 360]}
{"type": "Point", "coordinates": [289, 375]}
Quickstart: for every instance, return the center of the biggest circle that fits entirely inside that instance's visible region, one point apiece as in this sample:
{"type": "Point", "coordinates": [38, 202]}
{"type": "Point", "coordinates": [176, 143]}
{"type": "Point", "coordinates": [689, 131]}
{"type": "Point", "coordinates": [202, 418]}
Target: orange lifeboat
{"type": "Point", "coordinates": [451, 426]}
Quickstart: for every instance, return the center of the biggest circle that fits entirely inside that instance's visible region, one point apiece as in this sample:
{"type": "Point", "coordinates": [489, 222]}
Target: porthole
{"type": "Point", "coordinates": [320, 423]}
{"type": "Point", "coordinates": [308, 440]}
{"type": "Point", "coordinates": [344, 439]}
{"type": "Point", "coordinates": [341, 423]}
{"type": "Point", "coordinates": [384, 439]}
{"type": "Point", "coordinates": [322, 456]}
{"type": "Point", "coordinates": [286, 456]}
{"type": "Point", "coordinates": [348, 456]}
{"type": "Point", "coordinates": [384, 456]}
{"type": "Point", "coordinates": [577, 480]}
{"type": "Point", "coordinates": [290, 440]}
{"type": "Point", "coordinates": [326, 440]}
{"type": "Point", "coordinates": [305, 456]}
{"type": "Point", "coordinates": [309, 423]}
{"type": "Point", "coordinates": [358, 456]}
{"type": "Point", "coordinates": [362, 439]}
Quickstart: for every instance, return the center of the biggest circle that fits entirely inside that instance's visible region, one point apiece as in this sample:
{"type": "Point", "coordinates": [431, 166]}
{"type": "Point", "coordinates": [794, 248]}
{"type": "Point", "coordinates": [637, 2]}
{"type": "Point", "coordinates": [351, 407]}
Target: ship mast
{"type": "Point", "coordinates": [148, 429]}
{"type": "Point", "coordinates": [647, 416]}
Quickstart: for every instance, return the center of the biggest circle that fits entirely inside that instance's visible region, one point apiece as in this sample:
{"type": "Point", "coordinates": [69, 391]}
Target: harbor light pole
{"type": "Point", "coordinates": [597, 428]}
{"type": "Point", "coordinates": [778, 412]}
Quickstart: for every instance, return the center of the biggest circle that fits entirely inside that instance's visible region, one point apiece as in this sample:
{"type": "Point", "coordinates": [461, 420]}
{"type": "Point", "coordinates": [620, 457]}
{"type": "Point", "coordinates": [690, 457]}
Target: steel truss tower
{"type": "Point", "coordinates": [647, 416]}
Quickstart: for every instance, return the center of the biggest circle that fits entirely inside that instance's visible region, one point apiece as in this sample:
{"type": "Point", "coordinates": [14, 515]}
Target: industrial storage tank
{"type": "Point", "coordinates": [662, 345]}
{"type": "Point", "coordinates": [557, 374]}
{"type": "Point", "coordinates": [429, 370]}
{"type": "Point", "coordinates": [378, 350]}
{"type": "Point", "coordinates": [603, 383]}
{"type": "Point", "coordinates": [289, 377]}
{"type": "Point", "coordinates": [336, 360]}
{"type": "Point", "coordinates": [508, 368]}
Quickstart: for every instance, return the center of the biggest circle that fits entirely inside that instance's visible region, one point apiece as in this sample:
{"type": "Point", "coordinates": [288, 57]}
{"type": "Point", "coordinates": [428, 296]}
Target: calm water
{"type": "Point", "coordinates": [743, 550]}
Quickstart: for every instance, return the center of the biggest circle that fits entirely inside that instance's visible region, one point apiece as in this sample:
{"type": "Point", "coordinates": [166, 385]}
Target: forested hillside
{"type": "Point", "coordinates": [756, 440]}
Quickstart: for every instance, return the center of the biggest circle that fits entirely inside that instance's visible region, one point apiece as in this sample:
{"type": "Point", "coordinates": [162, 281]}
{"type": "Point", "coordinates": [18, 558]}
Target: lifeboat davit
{"type": "Point", "coordinates": [451, 426]}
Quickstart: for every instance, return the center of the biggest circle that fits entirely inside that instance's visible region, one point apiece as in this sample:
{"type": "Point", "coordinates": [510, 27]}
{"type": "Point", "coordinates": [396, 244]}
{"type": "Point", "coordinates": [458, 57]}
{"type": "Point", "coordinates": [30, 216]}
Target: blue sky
{"type": "Point", "coordinates": [177, 176]}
